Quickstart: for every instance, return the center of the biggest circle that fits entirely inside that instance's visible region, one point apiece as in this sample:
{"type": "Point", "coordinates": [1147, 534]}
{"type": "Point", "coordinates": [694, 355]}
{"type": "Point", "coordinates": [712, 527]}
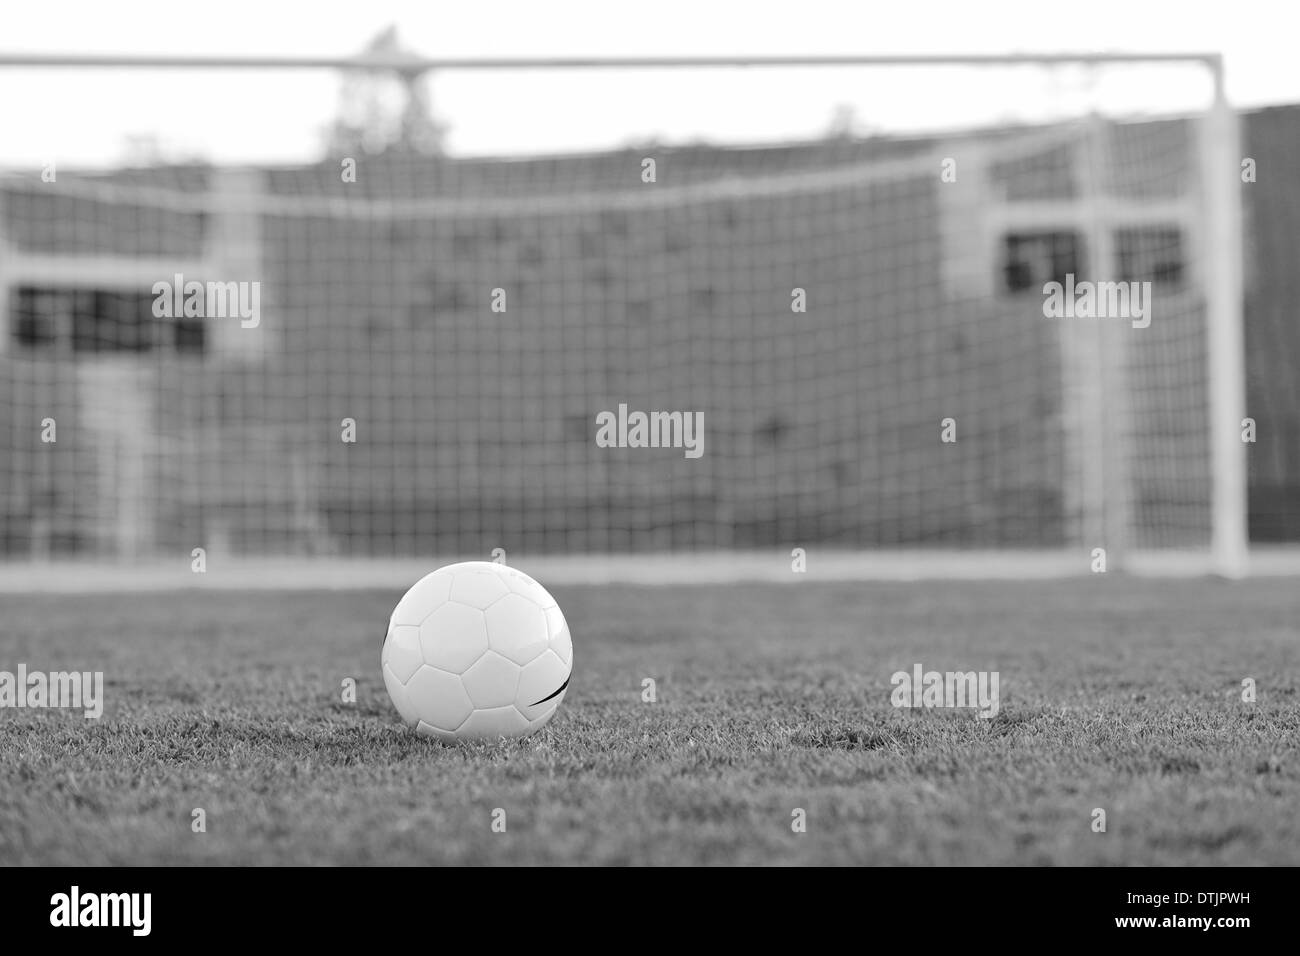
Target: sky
{"type": "Point", "coordinates": [85, 116]}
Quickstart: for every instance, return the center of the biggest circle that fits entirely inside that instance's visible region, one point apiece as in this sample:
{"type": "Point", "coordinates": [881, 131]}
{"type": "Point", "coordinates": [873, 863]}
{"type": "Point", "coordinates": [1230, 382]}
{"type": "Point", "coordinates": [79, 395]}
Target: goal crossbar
{"type": "Point", "coordinates": [412, 64]}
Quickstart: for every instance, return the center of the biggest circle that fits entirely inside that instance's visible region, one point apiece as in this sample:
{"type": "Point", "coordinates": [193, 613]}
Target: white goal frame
{"type": "Point", "coordinates": [1220, 153]}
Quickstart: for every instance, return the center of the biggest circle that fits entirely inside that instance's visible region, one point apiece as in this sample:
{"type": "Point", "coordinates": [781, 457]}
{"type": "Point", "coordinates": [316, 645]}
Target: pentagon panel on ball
{"type": "Point", "coordinates": [477, 651]}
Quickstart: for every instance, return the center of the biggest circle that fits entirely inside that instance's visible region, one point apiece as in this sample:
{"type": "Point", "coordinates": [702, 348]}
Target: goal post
{"type": "Point", "coordinates": [1221, 144]}
{"type": "Point", "coordinates": [955, 304]}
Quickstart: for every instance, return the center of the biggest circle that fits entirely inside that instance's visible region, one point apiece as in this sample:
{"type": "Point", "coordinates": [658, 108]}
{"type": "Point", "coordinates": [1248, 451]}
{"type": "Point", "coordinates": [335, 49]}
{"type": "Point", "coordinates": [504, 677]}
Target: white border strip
{"type": "Point", "coordinates": [771, 567]}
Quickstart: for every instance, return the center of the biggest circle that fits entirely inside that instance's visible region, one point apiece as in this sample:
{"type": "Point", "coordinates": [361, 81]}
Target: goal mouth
{"type": "Point", "coordinates": [960, 305]}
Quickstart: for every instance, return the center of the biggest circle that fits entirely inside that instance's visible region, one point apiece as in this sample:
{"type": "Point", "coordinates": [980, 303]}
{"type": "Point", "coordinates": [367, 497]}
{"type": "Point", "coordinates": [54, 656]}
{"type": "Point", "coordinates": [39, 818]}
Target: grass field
{"type": "Point", "coordinates": [1116, 693]}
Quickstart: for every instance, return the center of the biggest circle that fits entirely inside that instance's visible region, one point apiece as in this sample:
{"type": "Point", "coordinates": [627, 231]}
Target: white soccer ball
{"type": "Point", "coordinates": [477, 650]}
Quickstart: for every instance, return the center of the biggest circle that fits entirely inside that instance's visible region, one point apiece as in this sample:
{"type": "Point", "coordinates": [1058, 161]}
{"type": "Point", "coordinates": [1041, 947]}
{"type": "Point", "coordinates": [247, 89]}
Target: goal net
{"type": "Point", "coordinates": [928, 305]}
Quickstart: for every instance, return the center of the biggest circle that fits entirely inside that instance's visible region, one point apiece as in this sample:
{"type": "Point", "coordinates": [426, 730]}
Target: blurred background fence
{"type": "Point", "coordinates": [383, 403]}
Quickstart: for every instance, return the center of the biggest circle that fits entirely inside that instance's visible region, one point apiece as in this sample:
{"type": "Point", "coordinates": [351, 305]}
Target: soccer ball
{"type": "Point", "coordinates": [477, 650]}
